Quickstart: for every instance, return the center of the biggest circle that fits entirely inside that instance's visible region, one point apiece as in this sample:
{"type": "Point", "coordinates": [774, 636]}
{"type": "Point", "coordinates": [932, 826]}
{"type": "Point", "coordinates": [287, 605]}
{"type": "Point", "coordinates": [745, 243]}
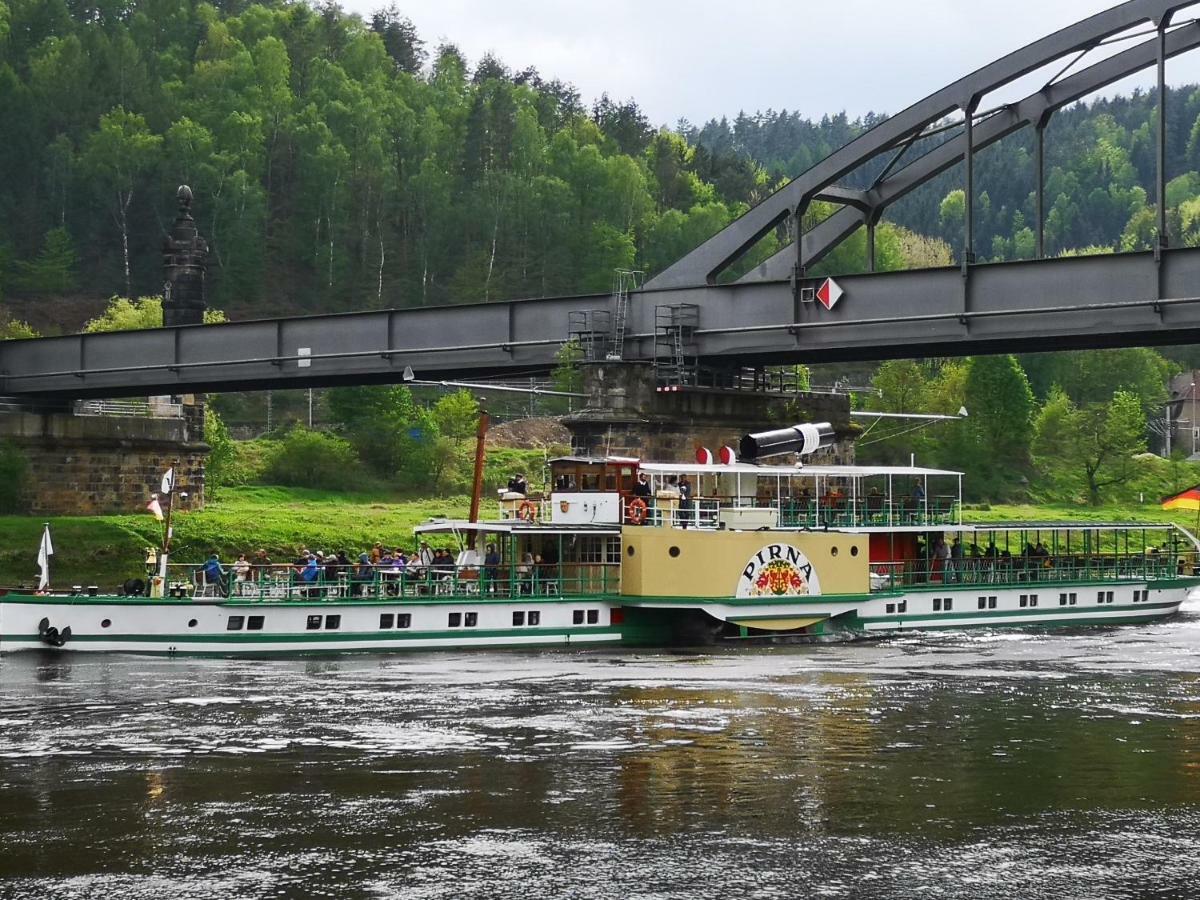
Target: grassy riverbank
{"type": "Point", "coordinates": [105, 550]}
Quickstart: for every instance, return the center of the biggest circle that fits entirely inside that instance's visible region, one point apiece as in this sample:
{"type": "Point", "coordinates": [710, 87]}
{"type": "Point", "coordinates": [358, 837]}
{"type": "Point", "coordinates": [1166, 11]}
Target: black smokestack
{"type": "Point", "coordinates": [803, 439]}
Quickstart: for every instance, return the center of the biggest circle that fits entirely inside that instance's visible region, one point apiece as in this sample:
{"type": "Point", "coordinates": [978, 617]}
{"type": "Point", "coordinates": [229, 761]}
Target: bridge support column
{"type": "Point", "coordinates": [627, 414]}
{"type": "Point", "coordinates": [1162, 238]}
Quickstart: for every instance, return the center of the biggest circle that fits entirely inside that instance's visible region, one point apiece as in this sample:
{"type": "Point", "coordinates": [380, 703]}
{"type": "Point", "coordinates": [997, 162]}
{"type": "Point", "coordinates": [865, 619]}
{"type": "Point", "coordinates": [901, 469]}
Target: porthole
{"type": "Point", "coordinates": [192, 623]}
{"type": "Point", "coordinates": [833, 551]}
{"type": "Point", "coordinates": [854, 550]}
{"type": "Point", "coordinates": [106, 623]}
{"type": "Point", "coordinates": [629, 550]}
{"type": "Point", "coordinates": [674, 551]}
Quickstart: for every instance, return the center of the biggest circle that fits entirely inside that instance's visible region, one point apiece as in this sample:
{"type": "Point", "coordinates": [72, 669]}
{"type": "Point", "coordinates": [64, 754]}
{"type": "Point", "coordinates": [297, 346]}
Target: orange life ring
{"type": "Point", "coordinates": [526, 511]}
{"type": "Point", "coordinates": [636, 511]}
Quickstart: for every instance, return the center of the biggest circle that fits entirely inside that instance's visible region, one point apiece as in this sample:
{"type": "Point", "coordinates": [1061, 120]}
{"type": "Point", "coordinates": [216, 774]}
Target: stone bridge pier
{"type": "Point", "coordinates": [627, 413]}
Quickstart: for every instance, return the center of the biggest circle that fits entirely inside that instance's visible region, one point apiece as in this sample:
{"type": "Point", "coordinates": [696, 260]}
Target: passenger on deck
{"type": "Point", "coordinates": [262, 565]}
{"type": "Point", "coordinates": [364, 573]}
{"type": "Point", "coordinates": [214, 572]}
{"type": "Point", "coordinates": [954, 571]}
{"type": "Point", "coordinates": [241, 568]}
{"type": "Point", "coordinates": [332, 570]}
{"type": "Point", "coordinates": [377, 553]}
{"type": "Point", "coordinates": [310, 575]}
{"type": "Point", "coordinates": [642, 488]}
{"type": "Point", "coordinates": [685, 499]}
{"type": "Point", "coordinates": [423, 561]}
{"type": "Point", "coordinates": [525, 572]}
{"type": "Point", "coordinates": [518, 485]}
{"type": "Point", "coordinates": [941, 557]}
{"type": "Point", "coordinates": [491, 568]}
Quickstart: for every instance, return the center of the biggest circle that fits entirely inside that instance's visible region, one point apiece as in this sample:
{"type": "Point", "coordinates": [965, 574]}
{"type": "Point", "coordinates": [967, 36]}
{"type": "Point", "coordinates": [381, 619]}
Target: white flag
{"type": "Point", "coordinates": [155, 507]}
{"type": "Point", "coordinates": [168, 483]}
{"type": "Point", "coordinates": [45, 551]}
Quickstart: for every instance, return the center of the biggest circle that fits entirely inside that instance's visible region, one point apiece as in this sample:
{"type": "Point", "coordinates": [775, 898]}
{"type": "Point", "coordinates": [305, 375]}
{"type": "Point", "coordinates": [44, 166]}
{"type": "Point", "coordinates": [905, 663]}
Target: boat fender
{"type": "Point", "coordinates": [51, 636]}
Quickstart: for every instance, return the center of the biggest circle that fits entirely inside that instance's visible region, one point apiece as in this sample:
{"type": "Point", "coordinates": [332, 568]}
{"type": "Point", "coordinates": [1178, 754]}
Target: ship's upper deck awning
{"type": "Point", "coordinates": [512, 526]}
{"type": "Point", "coordinates": [794, 471]}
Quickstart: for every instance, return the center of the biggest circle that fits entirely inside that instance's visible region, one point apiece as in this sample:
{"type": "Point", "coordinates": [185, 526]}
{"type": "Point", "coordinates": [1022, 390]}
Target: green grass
{"type": "Point", "coordinates": [1149, 513]}
{"type": "Point", "coordinates": [105, 550]}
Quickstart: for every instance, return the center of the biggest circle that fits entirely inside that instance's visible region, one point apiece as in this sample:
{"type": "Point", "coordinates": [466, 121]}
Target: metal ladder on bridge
{"type": "Point", "coordinates": [625, 281]}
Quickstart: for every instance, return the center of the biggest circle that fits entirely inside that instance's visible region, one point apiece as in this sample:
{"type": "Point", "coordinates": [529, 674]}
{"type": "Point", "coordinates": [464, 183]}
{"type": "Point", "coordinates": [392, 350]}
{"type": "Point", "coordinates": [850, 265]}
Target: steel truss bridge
{"type": "Point", "coordinates": [694, 310]}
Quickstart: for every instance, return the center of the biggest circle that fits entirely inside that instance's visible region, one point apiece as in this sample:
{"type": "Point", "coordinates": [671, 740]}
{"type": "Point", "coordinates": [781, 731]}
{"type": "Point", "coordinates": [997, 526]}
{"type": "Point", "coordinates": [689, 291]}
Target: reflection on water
{"type": "Point", "coordinates": [977, 764]}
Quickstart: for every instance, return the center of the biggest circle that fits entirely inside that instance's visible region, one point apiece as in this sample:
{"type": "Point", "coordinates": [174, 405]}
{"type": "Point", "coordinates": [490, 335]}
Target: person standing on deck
{"type": "Point", "coordinates": [491, 568]}
{"type": "Point", "coordinates": [954, 572]}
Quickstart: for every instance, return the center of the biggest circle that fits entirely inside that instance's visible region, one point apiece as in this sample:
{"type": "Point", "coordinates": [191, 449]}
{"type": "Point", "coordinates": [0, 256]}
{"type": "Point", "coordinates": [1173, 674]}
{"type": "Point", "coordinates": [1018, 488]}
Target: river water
{"type": "Point", "coordinates": [973, 764]}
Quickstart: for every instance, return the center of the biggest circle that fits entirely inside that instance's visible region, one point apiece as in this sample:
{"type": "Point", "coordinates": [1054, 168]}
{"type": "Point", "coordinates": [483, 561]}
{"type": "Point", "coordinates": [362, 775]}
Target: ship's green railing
{"type": "Point", "coordinates": [866, 512]}
{"type": "Point", "coordinates": [1025, 570]}
{"type": "Point", "coordinates": [505, 582]}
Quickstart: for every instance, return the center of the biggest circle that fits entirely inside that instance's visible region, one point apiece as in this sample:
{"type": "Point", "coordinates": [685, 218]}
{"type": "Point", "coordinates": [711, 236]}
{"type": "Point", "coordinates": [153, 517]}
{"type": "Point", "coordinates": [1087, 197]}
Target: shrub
{"type": "Point", "coordinates": [14, 472]}
{"type": "Point", "coordinates": [314, 459]}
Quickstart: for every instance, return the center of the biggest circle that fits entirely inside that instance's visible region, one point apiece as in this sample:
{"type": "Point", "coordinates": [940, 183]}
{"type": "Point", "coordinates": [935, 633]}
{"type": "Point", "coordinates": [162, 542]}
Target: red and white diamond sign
{"type": "Point", "coordinates": [829, 293]}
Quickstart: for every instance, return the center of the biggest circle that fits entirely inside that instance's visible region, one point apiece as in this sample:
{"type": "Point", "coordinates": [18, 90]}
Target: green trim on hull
{"type": "Point", "coordinates": [327, 637]}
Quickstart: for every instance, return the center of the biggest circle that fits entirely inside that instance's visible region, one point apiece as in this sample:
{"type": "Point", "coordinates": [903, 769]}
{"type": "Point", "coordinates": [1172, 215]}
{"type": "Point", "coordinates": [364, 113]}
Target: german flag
{"type": "Point", "coordinates": [1189, 499]}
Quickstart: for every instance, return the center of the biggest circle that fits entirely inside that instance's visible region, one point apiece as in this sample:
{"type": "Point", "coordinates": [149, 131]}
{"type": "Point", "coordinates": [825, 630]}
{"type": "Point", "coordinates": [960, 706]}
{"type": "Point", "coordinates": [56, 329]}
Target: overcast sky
{"type": "Point", "coordinates": [701, 59]}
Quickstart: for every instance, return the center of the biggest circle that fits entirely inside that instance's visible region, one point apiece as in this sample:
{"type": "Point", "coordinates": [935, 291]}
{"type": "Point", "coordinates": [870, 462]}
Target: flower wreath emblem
{"type": "Point", "coordinates": [564, 505]}
{"type": "Point", "coordinates": [779, 578]}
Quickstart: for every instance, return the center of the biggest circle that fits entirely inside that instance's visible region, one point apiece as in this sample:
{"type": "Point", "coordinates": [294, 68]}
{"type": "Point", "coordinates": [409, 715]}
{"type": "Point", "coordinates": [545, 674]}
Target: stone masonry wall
{"type": "Point", "coordinates": [93, 465]}
{"type": "Point", "coordinates": [625, 415]}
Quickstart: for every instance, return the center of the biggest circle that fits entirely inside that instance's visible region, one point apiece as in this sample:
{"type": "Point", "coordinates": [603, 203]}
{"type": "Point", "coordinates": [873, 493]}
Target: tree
{"type": "Point", "coordinates": [118, 155]}
{"type": "Point", "coordinates": [566, 375]}
{"type": "Point", "coordinates": [1096, 444]}
{"type": "Point", "coordinates": [1000, 408]}
{"type": "Point", "coordinates": [400, 39]}
{"type": "Point", "coordinates": [53, 270]}
{"type": "Point", "coordinates": [123, 314]}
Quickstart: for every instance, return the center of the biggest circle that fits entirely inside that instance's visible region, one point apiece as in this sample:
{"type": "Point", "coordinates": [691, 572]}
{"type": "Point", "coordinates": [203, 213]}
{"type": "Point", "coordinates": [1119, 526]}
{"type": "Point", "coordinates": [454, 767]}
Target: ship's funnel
{"type": "Point", "coordinates": [802, 439]}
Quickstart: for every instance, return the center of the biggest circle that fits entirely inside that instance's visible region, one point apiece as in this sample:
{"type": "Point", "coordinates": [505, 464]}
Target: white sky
{"type": "Point", "coordinates": [706, 58]}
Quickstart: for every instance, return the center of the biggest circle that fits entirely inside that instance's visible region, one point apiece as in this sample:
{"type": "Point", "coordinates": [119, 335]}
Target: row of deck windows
{"type": "Point", "coordinates": [1104, 596]}
{"type": "Point", "coordinates": [520, 619]}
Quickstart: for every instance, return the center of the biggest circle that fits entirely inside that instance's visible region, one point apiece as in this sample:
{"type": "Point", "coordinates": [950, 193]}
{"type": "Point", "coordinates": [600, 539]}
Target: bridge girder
{"type": "Point", "coordinates": [1078, 302]}
{"type": "Point", "coordinates": [706, 263]}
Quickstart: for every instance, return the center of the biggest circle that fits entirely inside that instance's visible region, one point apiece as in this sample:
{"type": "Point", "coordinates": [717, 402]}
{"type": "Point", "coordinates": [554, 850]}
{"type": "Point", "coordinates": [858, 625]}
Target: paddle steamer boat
{"type": "Point", "coordinates": [702, 552]}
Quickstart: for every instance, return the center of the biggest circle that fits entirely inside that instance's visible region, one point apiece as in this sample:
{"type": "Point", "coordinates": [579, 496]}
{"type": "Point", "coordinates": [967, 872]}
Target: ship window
{"type": "Point", "coordinates": [1073, 598]}
{"type": "Point", "coordinates": [386, 620]}
{"type": "Point", "coordinates": [629, 550]}
{"type": "Point", "coordinates": [519, 615]}
{"type": "Point", "coordinates": [192, 623]}
{"type": "Point", "coordinates": [235, 623]}
{"type": "Point", "coordinates": [1099, 596]}
{"type": "Point", "coordinates": [471, 619]}
{"type": "Point", "coordinates": [403, 620]}
{"type": "Point", "coordinates": [333, 622]}
{"type": "Point", "coordinates": [106, 623]}
{"type": "Point", "coordinates": [833, 551]}
{"type": "Point", "coordinates": [991, 602]}
{"type": "Point", "coordinates": [577, 617]}
{"type": "Point", "coordinates": [535, 617]}
{"type": "Point", "coordinates": [612, 550]}
{"type": "Point", "coordinates": [948, 604]}
{"type": "Point", "coordinates": [255, 623]}
{"type": "Point", "coordinates": [1108, 597]}
{"type": "Point", "coordinates": [937, 604]}
{"type": "Point", "coordinates": [314, 622]}
{"type": "Point", "coordinates": [854, 550]}
{"type": "Point", "coordinates": [1033, 599]}
{"type": "Point", "coordinates": [1024, 600]}
{"type": "Point", "coordinates": [890, 608]}
{"type": "Point", "coordinates": [454, 620]}
{"type": "Point", "coordinates": [1062, 599]}
{"type": "Point", "coordinates": [1137, 595]}
{"type": "Point", "coordinates": [983, 602]}
{"type": "Point", "coordinates": [674, 552]}
{"type": "Point", "coordinates": [593, 616]}
{"type": "Point", "coordinates": [902, 606]}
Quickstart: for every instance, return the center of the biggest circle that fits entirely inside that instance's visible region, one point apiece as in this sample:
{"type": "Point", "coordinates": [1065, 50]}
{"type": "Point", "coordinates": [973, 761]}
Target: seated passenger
{"type": "Point", "coordinates": [214, 573]}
